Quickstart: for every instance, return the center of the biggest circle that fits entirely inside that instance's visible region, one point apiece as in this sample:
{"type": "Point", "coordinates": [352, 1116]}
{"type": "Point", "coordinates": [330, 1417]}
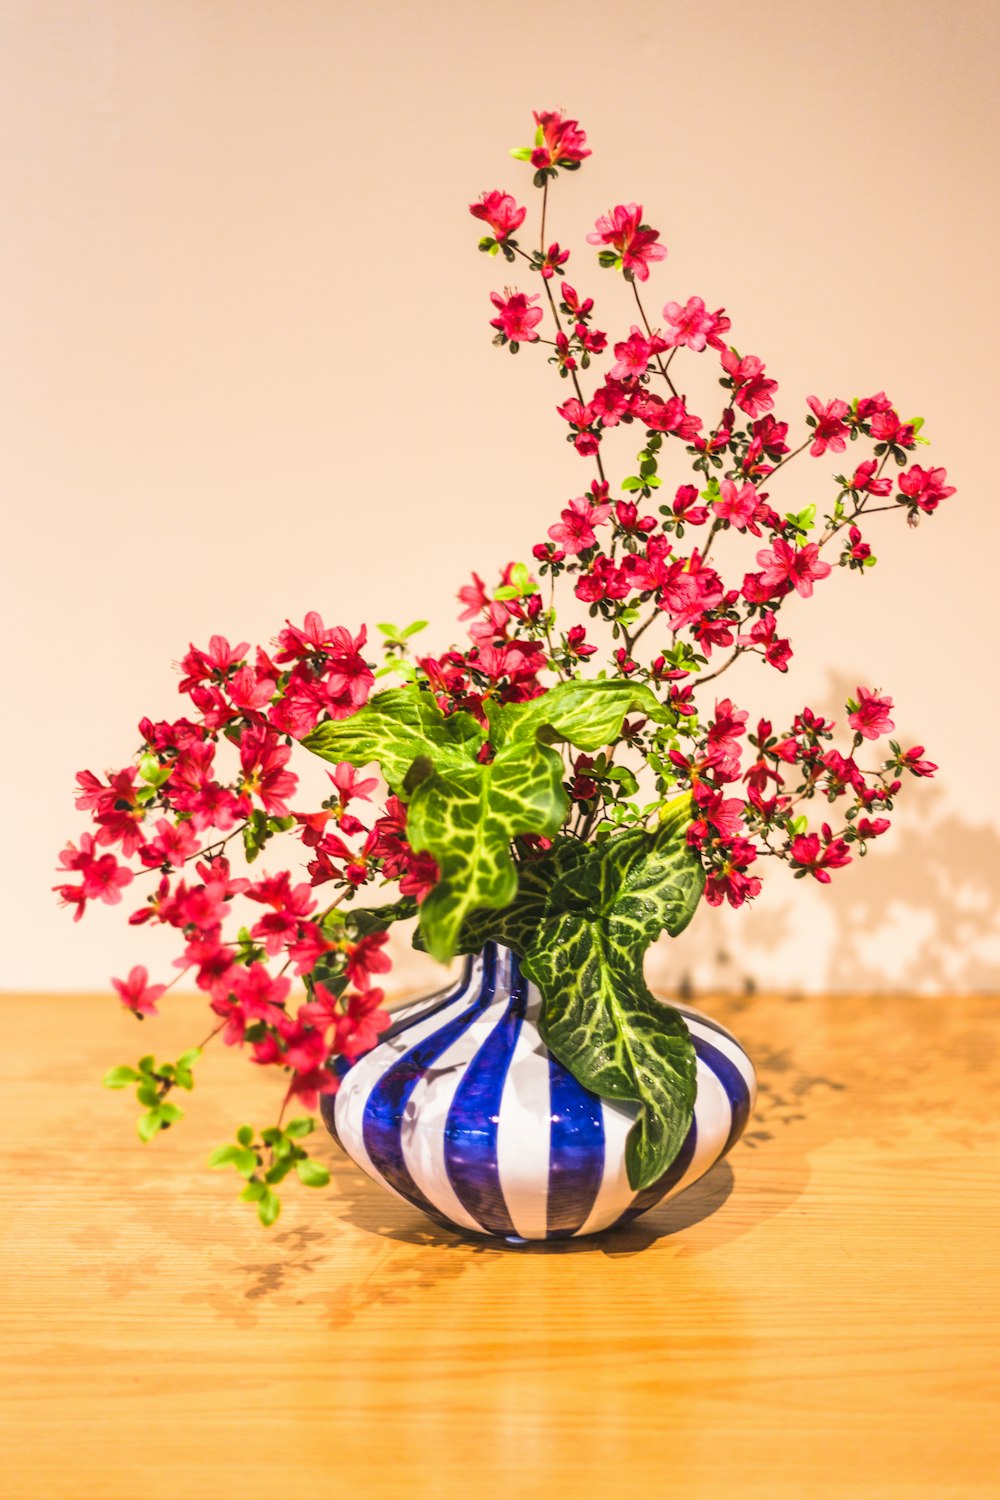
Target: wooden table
{"type": "Point", "coordinates": [818, 1317]}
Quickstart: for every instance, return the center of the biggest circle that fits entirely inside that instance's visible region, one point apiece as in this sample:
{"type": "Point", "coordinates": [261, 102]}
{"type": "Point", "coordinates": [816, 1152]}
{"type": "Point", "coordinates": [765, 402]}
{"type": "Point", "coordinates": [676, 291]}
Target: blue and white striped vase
{"type": "Point", "coordinates": [462, 1111]}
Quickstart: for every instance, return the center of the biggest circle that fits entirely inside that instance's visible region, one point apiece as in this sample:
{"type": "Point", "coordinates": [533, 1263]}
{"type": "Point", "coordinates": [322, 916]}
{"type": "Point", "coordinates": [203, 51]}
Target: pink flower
{"type": "Point", "coordinates": [474, 596]}
{"type": "Point", "coordinates": [634, 354]}
{"type": "Point", "coordinates": [870, 715]}
{"type": "Point", "coordinates": [809, 854]}
{"type": "Point", "coordinates": [634, 243]}
{"type": "Point", "coordinates": [784, 565]}
{"type": "Point", "coordinates": [737, 506]}
{"type": "Point", "coordinates": [925, 488]}
{"type": "Point", "coordinates": [575, 413]}
{"type": "Point", "coordinates": [500, 212]}
{"type": "Point", "coordinates": [690, 324]}
{"type": "Point", "coordinates": [552, 261]}
{"type": "Point", "coordinates": [251, 690]}
{"type": "Point", "coordinates": [864, 481]}
{"type": "Point", "coordinates": [173, 845]}
{"type": "Point", "coordinates": [830, 429]}
{"type": "Point", "coordinates": [561, 143]}
{"type": "Point", "coordinates": [517, 319]}
{"type": "Point", "coordinates": [910, 759]}
{"type": "Point", "coordinates": [217, 661]}
{"type": "Point", "coordinates": [609, 403]}
{"type": "Point", "coordinates": [575, 532]}
{"type": "Point", "coordinates": [752, 388]}
{"type": "Point", "coordinates": [886, 427]}
{"type": "Point", "coordinates": [263, 758]}
{"type": "Point", "coordinates": [764, 637]}
{"type": "Point", "coordinates": [137, 993]}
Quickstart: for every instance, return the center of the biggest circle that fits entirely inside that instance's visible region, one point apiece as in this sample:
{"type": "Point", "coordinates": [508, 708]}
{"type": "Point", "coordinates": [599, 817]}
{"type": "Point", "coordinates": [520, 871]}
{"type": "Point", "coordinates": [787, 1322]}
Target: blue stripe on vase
{"type": "Point", "coordinates": [576, 1157]}
{"type": "Point", "coordinates": [383, 1114]}
{"type": "Point", "coordinates": [735, 1085]}
{"type": "Point", "coordinates": [650, 1196]}
{"type": "Point", "coordinates": [470, 1133]}
{"type": "Point", "coordinates": [343, 1065]}
{"type": "Point", "coordinates": [706, 1021]}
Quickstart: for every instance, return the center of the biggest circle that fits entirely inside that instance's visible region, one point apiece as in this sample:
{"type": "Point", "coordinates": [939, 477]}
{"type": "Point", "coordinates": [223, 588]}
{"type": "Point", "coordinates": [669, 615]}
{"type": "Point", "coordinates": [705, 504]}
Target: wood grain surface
{"type": "Point", "coordinates": [818, 1317]}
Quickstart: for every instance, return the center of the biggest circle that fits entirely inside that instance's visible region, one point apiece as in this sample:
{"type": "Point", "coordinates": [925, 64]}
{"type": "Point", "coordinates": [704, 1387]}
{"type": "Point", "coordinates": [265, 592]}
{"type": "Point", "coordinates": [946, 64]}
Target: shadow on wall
{"type": "Point", "coordinates": [920, 912]}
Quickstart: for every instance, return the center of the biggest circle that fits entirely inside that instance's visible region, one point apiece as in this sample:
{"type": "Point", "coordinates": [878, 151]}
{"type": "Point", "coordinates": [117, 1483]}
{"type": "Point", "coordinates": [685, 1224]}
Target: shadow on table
{"type": "Point", "coordinates": [363, 1205]}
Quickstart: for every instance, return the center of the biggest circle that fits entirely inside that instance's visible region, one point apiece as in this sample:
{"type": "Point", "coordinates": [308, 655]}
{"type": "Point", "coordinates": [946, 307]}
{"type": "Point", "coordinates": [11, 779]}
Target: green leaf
{"type": "Point", "coordinates": [582, 920]}
{"type": "Point", "coordinates": [245, 1135]}
{"type": "Point", "coordinates": [119, 1078]}
{"type": "Point", "coordinates": [298, 1128]}
{"type": "Point", "coordinates": [466, 819]}
{"type": "Point", "coordinates": [367, 919]}
{"type": "Point", "coordinates": [588, 715]}
{"type": "Point", "coordinates": [312, 1173]}
{"type": "Point", "coordinates": [268, 1207]}
{"type": "Point", "coordinates": [464, 813]}
{"type": "Point", "coordinates": [393, 729]}
{"type": "Point", "coordinates": [253, 1192]}
{"type": "Point", "coordinates": [149, 1124]}
{"type": "Point", "coordinates": [152, 772]}
{"type": "Point", "coordinates": [241, 1157]}
{"type": "Point", "coordinates": [279, 1170]}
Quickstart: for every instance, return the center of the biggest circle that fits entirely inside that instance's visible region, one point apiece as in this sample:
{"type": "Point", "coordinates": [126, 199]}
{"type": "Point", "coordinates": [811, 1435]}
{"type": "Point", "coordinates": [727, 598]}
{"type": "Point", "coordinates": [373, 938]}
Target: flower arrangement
{"type": "Point", "coordinates": [570, 805]}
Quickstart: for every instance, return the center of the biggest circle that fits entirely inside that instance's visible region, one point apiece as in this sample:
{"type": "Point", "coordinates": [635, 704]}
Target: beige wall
{"type": "Point", "coordinates": [247, 371]}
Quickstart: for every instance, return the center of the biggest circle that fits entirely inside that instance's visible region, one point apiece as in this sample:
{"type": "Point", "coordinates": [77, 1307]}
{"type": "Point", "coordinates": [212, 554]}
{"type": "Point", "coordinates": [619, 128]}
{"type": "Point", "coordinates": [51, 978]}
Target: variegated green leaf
{"type": "Point", "coordinates": [586, 714]}
{"type": "Point", "coordinates": [602, 1023]}
{"type": "Point", "coordinates": [394, 729]}
{"type": "Point", "coordinates": [466, 817]}
{"type": "Point", "coordinates": [466, 813]}
{"type": "Point", "coordinates": [582, 921]}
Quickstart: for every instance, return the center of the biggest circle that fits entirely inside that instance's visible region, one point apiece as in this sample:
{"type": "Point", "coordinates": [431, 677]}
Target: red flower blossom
{"type": "Point", "coordinates": [634, 243]}
{"type": "Point", "coordinates": [809, 854]}
{"type": "Point", "coordinates": [263, 758]}
{"type": "Point", "coordinates": [870, 716]}
{"type": "Point", "coordinates": [690, 324]}
{"type": "Point", "coordinates": [575, 531]}
{"type": "Point", "coordinates": [830, 430]}
{"type": "Point", "coordinates": [752, 388]}
{"type": "Point", "coordinates": [500, 212]}
{"type": "Point", "coordinates": [864, 481]}
{"type": "Point", "coordinates": [925, 488]}
{"type": "Point", "coordinates": [137, 993]}
{"type": "Point", "coordinates": [562, 141]}
{"type": "Point", "coordinates": [633, 355]}
{"type": "Point", "coordinates": [516, 318]}
{"type": "Point", "coordinates": [764, 637]}
{"type": "Point", "coordinates": [784, 565]}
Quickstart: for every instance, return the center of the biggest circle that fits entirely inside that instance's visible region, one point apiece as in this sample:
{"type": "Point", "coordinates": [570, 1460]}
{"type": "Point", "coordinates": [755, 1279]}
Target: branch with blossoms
{"type": "Point", "coordinates": [529, 788]}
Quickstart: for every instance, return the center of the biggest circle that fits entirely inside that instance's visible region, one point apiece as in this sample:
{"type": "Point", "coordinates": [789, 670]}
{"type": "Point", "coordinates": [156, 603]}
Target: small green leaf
{"type": "Point", "coordinates": [119, 1078]}
{"type": "Point", "coordinates": [149, 1124]}
{"type": "Point", "coordinates": [298, 1128]}
{"type": "Point", "coordinates": [253, 1192]}
{"type": "Point", "coordinates": [268, 1208]}
{"type": "Point", "coordinates": [245, 1135]}
{"type": "Point", "coordinates": [312, 1173]}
